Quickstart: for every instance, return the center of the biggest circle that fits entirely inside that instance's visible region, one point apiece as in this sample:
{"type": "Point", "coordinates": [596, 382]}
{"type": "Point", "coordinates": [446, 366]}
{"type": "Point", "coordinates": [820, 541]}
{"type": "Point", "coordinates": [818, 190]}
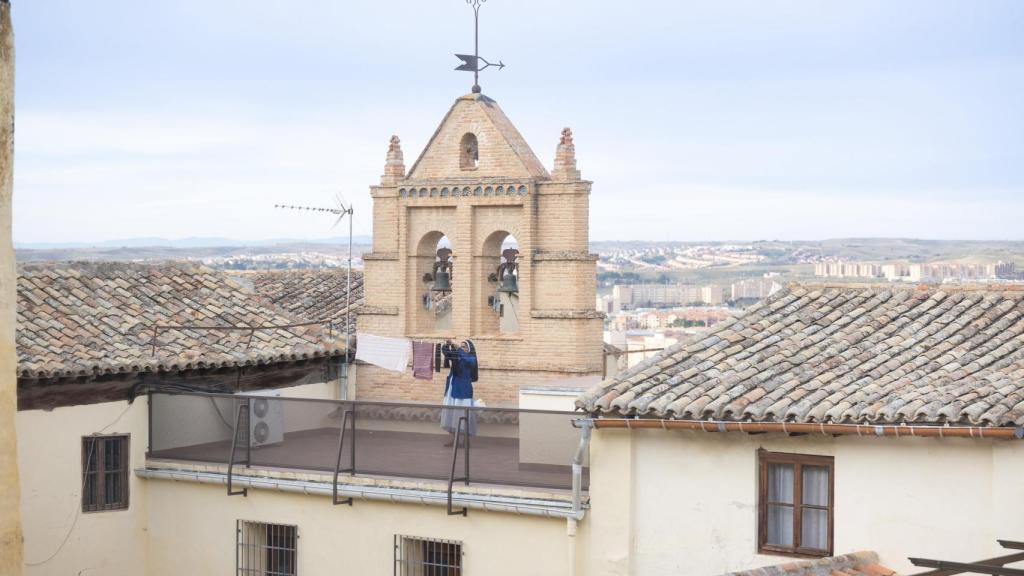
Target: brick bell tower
{"type": "Point", "coordinates": [475, 189]}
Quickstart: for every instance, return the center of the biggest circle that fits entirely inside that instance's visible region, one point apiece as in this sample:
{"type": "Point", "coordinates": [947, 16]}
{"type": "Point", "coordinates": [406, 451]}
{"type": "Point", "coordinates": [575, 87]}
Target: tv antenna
{"type": "Point", "coordinates": [341, 211]}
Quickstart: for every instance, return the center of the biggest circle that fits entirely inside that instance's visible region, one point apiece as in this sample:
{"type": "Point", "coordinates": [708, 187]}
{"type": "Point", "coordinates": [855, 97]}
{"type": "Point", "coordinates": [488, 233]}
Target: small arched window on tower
{"type": "Point", "coordinates": [469, 152]}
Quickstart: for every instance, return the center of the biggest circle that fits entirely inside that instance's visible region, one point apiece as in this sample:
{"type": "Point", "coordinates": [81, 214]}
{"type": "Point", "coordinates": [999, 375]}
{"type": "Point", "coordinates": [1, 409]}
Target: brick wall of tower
{"type": "Point", "coordinates": [559, 332]}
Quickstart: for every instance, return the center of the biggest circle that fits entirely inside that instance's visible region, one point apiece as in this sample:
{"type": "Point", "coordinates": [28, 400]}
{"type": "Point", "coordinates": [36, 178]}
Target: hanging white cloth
{"type": "Point", "coordinates": [388, 353]}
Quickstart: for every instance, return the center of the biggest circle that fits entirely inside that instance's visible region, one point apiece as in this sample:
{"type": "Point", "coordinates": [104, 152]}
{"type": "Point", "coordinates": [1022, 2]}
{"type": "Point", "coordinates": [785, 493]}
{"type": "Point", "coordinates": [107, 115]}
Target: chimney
{"type": "Point", "coordinates": [565, 158]}
{"type": "Point", "coordinates": [394, 167]}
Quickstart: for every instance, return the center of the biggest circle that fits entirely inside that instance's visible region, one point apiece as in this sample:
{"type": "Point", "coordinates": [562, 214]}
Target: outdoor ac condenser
{"type": "Point", "coordinates": [266, 418]}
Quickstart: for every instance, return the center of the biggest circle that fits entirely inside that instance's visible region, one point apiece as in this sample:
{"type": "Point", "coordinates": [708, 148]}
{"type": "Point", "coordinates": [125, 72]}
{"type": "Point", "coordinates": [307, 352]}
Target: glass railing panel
{"type": "Point", "coordinates": [506, 446]}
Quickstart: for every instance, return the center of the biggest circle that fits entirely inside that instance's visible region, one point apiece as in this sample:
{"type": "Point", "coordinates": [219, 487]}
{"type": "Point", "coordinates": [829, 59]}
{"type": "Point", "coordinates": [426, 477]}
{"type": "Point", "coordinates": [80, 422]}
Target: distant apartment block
{"type": "Point", "coordinates": [755, 288]}
{"type": "Point", "coordinates": [657, 295]}
{"type": "Point", "coordinates": [929, 272]}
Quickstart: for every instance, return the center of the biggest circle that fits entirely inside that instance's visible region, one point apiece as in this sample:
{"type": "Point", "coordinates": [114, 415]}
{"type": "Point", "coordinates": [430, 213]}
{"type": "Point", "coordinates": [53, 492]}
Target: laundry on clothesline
{"type": "Point", "coordinates": [423, 360]}
{"type": "Point", "coordinates": [386, 352]}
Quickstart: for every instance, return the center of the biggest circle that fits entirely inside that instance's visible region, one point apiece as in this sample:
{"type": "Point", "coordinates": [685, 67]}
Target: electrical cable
{"type": "Point", "coordinates": [81, 492]}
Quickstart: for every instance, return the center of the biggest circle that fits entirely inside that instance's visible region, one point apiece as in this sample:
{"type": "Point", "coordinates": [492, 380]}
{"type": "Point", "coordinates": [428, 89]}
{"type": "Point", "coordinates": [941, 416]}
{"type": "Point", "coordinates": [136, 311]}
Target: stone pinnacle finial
{"type": "Point", "coordinates": [394, 166]}
{"type": "Point", "coordinates": [565, 158]}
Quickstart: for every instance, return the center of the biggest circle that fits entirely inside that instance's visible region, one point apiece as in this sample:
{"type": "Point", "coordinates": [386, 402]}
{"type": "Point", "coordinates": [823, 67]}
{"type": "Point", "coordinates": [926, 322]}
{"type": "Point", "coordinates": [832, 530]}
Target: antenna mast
{"type": "Point", "coordinates": [342, 210]}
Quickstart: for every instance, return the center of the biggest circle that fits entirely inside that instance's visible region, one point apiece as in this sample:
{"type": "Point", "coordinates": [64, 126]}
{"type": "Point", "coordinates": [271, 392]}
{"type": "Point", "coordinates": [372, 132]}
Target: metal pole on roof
{"type": "Point", "coordinates": [348, 295]}
{"type": "Point", "coordinates": [342, 210]}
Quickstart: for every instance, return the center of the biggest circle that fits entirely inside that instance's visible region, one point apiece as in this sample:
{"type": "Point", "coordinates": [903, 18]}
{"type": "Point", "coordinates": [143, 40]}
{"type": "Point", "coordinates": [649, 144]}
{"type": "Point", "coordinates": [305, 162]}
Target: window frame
{"type": "Point", "coordinates": [99, 503]}
{"type": "Point", "coordinates": [258, 551]}
{"type": "Point", "coordinates": [427, 564]}
{"type": "Point", "coordinates": [764, 459]}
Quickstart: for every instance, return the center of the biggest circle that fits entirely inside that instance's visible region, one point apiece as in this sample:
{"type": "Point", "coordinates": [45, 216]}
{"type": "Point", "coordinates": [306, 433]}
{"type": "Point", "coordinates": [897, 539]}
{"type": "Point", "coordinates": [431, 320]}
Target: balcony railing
{"type": "Point", "coordinates": [510, 447]}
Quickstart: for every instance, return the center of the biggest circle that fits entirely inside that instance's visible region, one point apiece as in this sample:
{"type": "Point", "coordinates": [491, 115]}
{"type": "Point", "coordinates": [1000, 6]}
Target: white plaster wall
{"type": "Point", "coordinates": [685, 502]}
{"type": "Point", "coordinates": [50, 461]}
{"type": "Point", "coordinates": [192, 531]}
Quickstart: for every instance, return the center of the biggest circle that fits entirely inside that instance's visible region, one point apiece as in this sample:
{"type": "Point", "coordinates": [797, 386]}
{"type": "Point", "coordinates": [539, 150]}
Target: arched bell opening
{"type": "Point", "coordinates": [469, 152]}
{"type": "Point", "coordinates": [435, 273]}
{"type": "Point", "coordinates": [500, 261]}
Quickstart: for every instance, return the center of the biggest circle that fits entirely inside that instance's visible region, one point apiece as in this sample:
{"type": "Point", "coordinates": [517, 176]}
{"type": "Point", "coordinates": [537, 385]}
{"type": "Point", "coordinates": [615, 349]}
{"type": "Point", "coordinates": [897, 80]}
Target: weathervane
{"type": "Point", "coordinates": [472, 63]}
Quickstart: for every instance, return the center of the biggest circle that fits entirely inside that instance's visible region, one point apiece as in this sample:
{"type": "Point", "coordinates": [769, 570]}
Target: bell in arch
{"type": "Point", "coordinates": [506, 272]}
{"type": "Point", "coordinates": [509, 284]}
{"type": "Point", "coordinates": [443, 271]}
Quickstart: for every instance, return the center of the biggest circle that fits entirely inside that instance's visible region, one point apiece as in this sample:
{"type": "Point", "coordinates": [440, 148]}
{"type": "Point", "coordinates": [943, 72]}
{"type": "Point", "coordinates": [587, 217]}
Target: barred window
{"type": "Point", "coordinates": [427, 556]}
{"type": "Point", "coordinates": [265, 549]}
{"type": "Point", "coordinates": [105, 466]}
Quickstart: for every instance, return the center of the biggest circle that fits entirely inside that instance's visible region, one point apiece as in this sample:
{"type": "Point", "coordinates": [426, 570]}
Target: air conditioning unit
{"type": "Point", "coordinates": [266, 418]}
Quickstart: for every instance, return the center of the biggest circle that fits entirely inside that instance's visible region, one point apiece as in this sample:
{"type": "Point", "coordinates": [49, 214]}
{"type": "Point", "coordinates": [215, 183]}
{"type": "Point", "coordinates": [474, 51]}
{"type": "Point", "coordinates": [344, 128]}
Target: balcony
{"type": "Point", "coordinates": [512, 455]}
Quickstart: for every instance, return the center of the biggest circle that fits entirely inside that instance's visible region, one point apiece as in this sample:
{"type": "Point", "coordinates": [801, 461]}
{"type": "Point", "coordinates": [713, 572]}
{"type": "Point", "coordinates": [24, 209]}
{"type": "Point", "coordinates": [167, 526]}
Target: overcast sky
{"type": "Point", "coordinates": [704, 120]}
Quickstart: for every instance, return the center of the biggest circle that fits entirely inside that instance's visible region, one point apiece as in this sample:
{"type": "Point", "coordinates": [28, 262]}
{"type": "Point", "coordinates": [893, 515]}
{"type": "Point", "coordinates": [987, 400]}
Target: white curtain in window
{"type": "Point", "coordinates": [780, 517]}
{"type": "Point", "coordinates": [814, 522]}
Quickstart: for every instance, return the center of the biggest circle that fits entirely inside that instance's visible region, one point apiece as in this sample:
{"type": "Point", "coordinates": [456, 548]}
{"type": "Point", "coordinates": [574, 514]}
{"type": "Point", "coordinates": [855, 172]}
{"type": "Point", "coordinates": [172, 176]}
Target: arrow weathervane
{"type": "Point", "coordinates": [472, 63]}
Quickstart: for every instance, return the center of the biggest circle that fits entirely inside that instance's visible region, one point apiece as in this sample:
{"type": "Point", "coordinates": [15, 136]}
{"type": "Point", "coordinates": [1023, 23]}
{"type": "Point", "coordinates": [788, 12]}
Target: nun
{"type": "Point", "coordinates": [458, 387]}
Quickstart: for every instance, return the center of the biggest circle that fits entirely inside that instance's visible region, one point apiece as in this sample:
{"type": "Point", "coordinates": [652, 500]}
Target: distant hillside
{"type": "Point", "coordinates": [145, 253]}
{"type": "Point", "coordinates": [866, 249]}
{"type": "Point", "coordinates": [195, 242]}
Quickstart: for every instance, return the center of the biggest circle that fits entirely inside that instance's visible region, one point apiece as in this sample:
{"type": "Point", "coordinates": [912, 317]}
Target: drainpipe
{"type": "Point", "coordinates": [586, 426]}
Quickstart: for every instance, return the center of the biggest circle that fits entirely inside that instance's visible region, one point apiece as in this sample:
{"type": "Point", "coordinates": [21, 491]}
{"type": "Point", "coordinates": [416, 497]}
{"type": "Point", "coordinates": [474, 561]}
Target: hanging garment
{"type": "Point", "coordinates": [383, 351]}
{"type": "Point", "coordinates": [474, 373]}
{"type": "Point", "coordinates": [423, 360]}
{"type": "Point", "coordinates": [437, 356]}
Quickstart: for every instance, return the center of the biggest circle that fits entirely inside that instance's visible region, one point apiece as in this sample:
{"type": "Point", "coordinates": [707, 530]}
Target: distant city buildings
{"type": "Point", "coordinates": [755, 288]}
{"type": "Point", "coordinates": [689, 257]}
{"type": "Point", "coordinates": [918, 272]}
{"type": "Point", "coordinates": [280, 260]}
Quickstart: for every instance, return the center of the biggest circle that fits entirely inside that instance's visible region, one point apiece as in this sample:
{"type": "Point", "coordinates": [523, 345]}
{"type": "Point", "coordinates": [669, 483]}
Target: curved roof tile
{"type": "Point", "coordinates": [84, 319]}
{"type": "Point", "coordinates": [844, 354]}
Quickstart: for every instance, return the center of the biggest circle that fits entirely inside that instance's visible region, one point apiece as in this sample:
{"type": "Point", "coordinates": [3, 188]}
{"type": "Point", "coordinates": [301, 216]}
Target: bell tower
{"type": "Point", "coordinates": [478, 240]}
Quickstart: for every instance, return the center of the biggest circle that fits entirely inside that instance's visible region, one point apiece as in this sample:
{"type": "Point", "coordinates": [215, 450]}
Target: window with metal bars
{"type": "Point", "coordinates": [427, 557]}
{"type": "Point", "coordinates": [105, 469]}
{"type": "Point", "coordinates": [796, 509]}
{"type": "Point", "coordinates": [266, 549]}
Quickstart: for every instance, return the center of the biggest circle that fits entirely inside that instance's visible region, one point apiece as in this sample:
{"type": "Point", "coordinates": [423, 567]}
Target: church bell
{"type": "Point", "coordinates": [509, 284]}
{"type": "Point", "coordinates": [442, 282]}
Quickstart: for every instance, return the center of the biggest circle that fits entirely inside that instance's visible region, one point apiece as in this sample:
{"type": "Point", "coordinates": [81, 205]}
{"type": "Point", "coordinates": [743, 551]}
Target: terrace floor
{"type": "Point", "coordinates": [493, 460]}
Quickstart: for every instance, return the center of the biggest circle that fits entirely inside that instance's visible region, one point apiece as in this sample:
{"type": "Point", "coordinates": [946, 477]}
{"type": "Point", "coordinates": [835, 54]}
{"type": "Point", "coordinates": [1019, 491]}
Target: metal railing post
{"type": "Point", "coordinates": [465, 457]}
{"type": "Point", "coordinates": [149, 425]}
{"type": "Point", "coordinates": [451, 477]}
{"type": "Point", "coordinates": [352, 454]}
{"type": "Point", "coordinates": [234, 444]}
{"type": "Point", "coordinates": [248, 433]}
{"type": "Point", "coordinates": [337, 463]}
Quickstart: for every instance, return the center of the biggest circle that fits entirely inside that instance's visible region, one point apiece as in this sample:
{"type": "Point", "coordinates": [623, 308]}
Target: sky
{"type": "Point", "coordinates": [696, 120]}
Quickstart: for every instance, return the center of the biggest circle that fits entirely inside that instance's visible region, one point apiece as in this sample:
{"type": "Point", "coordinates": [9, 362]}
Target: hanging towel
{"type": "Point", "coordinates": [423, 360]}
{"type": "Point", "coordinates": [388, 353]}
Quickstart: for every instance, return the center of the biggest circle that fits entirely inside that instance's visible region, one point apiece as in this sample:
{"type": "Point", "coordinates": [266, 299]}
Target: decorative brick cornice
{"type": "Point", "coordinates": [568, 314]}
{"type": "Point", "coordinates": [564, 256]}
{"type": "Point", "coordinates": [378, 311]}
{"type": "Point", "coordinates": [369, 256]}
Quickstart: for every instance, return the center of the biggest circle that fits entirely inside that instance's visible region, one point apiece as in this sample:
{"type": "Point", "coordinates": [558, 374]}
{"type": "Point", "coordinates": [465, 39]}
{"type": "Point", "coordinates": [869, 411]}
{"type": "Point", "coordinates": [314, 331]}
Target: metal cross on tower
{"type": "Point", "coordinates": [472, 63]}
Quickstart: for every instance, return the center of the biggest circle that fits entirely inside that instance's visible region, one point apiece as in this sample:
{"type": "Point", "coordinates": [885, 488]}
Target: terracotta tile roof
{"type": "Point", "coordinates": [317, 294]}
{"type": "Point", "coordinates": [80, 319]}
{"type": "Point", "coordinates": [854, 564]}
{"type": "Point", "coordinates": [842, 354]}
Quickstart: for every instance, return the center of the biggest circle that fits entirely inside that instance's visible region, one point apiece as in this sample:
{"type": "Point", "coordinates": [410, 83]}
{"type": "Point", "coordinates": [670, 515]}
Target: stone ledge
{"type": "Point", "coordinates": [377, 311]}
{"type": "Point", "coordinates": [570, 314]}
{"type": "Point", "coordinates": [555, 497]}
{"type": "Point", "coordinates": [564, 255]}
{"type": "Point", "coordinates": [371, 256]}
